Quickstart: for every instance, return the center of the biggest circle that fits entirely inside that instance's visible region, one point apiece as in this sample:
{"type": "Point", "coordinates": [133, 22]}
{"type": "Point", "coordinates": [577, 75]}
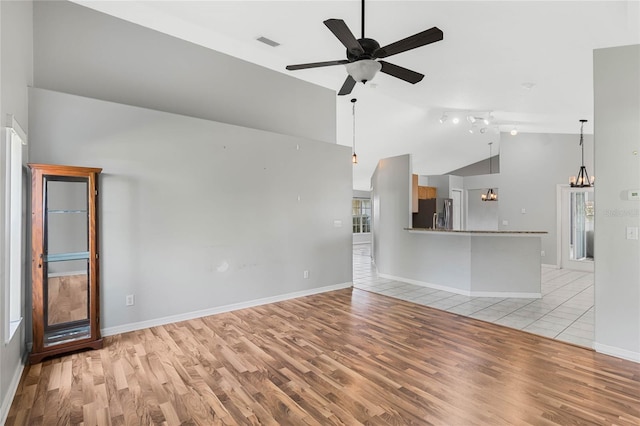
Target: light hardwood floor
{"type": "Point", "coordinates": [343, 357]}
{"type": "Point", "coordinates": [67, 298]}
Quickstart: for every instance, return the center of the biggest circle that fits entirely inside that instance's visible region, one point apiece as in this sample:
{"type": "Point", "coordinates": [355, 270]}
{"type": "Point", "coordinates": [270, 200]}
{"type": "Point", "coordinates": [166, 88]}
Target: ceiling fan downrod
{"type": "Point", "coordinates": [362, 19]}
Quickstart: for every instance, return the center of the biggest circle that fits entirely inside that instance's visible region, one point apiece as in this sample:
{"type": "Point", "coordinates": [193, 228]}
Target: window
{"type": "Point", "coordinates": [361, 211]}
{"type": "Point", "coordinates": [14, 139]}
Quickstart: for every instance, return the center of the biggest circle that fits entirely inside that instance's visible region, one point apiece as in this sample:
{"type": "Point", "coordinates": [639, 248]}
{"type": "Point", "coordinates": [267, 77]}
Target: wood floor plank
{"type": "Point", "coordinates": [344, 357]}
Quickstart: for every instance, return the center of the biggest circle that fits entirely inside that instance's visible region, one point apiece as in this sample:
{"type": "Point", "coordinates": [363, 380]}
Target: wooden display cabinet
{"type": "Point", "coordinates": [64, 260]}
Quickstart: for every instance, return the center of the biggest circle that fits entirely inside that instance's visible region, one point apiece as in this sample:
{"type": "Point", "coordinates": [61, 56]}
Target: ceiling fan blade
{"type": "Point", "coordinates": [417, 40]}
{"type": "Point", "coordinates": [401, 73]}
{"type": "Point", "coordinates": [347, 87]}
{"type": "Point", "coordinates": [316, 64]}
{"type": "Point", "coordinates": [344, 34]}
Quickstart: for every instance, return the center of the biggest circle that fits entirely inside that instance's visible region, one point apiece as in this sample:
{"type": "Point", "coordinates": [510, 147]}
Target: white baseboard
{"type": "Point", "coordinates": [507, 294]}
{"type": "Point", "coordinates": [463, 292]}
{"type": "Point", "coordinates": [110, 331]}
{"type": "Point", "coordinates": [617, 352]}
{"type": "Point", "coordinates": [551, 266]}
{"type": "Point", "coordinates": [11, 393]}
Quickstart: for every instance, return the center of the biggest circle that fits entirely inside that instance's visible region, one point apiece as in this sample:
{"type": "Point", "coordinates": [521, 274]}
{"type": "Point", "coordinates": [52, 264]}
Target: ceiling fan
{"type": "Point", "coordinates": [363, 54]}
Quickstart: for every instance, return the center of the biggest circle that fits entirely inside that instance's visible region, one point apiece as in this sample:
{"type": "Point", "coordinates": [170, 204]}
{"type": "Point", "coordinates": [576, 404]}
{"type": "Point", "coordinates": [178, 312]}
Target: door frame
{"type": "Point", "coordinates": [560, 228]}
{"type": "Point", "coordinates": [460, 208]}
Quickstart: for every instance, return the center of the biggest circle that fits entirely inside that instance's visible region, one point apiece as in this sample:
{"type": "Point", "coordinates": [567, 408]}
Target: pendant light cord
{"type": "Point", "coordinates": [353, 110]}
{"type": "Point", "coordinates": [582, 139]}
{"type": "Point", "coordinates": [490, 169]}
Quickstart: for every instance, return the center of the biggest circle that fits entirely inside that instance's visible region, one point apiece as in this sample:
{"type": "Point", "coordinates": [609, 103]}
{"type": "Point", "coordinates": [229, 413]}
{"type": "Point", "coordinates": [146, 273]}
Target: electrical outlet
{"type": "Point", "coordinates": [305, 274]}
{"type": "Point", "coordinates": [542, 253]}
{"type": "Point", "coordinates": [130, 300]}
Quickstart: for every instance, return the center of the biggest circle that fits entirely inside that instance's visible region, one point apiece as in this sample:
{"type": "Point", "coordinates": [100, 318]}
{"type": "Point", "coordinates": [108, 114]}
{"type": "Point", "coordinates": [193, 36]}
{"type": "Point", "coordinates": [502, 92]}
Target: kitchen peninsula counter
{"type": "Point", "coordinates": [462, 232]}
{"type": "Point", "coordinates": [473, 263]}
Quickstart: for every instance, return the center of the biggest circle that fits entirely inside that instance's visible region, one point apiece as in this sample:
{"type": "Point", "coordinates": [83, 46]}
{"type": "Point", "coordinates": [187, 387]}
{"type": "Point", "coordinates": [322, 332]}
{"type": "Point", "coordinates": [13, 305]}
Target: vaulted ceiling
{"type": "Point", "coordinates": [528, 63]}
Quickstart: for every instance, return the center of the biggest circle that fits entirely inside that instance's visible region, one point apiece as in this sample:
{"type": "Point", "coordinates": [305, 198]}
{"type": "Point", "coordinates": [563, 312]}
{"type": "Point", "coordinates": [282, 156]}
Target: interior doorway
{"type": "Point", "coordinates": [456, 195]}
{"type": "Point", "coordinates": [577, 217]}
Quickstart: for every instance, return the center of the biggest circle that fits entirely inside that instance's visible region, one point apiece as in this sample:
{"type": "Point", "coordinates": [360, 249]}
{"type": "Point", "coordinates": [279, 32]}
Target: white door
{"type": "Point", "coordinates": [456, 195]}
{"type": "Point", "coordinates": [577, 228]}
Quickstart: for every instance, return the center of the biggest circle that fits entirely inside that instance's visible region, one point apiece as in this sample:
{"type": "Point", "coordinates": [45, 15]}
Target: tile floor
{"type": "Point", "coordinates": [565, 311]}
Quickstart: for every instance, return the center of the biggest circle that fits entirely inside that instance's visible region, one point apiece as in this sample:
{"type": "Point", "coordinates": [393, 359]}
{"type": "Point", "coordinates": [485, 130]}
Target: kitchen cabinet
{"type": "Point", "coordinates": [427, 192]}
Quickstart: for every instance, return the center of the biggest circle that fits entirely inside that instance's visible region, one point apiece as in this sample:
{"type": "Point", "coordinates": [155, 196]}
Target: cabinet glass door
{"type": "Point", "coordinates": [65, 259]}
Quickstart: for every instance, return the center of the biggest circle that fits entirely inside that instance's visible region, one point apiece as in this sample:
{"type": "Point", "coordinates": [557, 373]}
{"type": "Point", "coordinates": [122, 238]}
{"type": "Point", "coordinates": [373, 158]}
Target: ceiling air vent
{"type": "Point", "coordinates": [268, 41]}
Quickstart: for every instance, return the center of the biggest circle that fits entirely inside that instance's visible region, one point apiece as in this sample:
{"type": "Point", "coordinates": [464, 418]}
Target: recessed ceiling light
{"type": "Point", "coordinates": [268, 42]}
{"type": "Point", "coordinates": [455, 120]}
{"type": "Point", "coordinates": [514, 131]}
{"type": "Point", "coordinates": [528, 85]}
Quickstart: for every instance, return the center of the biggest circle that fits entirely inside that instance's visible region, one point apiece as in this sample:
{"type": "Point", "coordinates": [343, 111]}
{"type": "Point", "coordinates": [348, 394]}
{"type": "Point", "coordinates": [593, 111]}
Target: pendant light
{"type": "Point", "coordinates": [354, 157]}
{"type": "Point", "coordinates": [490, 195]}
{"type": "Point", "coordinates": [582, 180]}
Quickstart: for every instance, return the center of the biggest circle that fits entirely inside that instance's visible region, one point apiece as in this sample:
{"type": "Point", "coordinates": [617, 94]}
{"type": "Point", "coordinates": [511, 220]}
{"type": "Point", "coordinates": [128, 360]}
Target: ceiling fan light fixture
{"type": "Point", "coordinates": [363, 70]}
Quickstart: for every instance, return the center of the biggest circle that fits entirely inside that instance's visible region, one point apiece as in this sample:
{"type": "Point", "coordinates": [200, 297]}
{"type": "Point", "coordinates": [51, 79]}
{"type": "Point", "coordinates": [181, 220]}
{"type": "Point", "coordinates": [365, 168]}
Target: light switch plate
{"type": "Point", "coordinates": [632, 232]}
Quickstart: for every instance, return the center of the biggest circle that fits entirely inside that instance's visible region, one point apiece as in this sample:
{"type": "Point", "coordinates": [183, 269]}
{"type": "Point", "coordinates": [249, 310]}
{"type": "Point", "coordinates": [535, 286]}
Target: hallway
{"type": "Point", "coordinates": [565, 312]}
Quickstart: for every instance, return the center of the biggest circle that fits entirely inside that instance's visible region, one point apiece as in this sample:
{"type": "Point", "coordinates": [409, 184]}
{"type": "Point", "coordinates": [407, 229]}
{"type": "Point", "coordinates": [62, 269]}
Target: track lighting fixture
{"type": "Point", "coordinates": [474, 118]}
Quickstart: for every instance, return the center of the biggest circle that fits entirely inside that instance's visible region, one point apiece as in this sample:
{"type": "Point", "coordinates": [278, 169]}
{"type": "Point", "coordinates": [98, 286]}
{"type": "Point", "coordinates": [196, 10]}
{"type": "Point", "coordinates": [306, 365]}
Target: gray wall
{"type": "Point", "coordinates": [479, 168]}
{"type": "Point", "coordinates": [78, 50]}
{"type": "Point", "coordinates": [391, 209]}
{"type": "Point", "coordinates": [418, 256]}
{"type": "Point", "coordinates": [532, 167]}
{"type": "Point", "coordinates": [15, 75]}
{"type": "Point", "coordinates": [482, 215]}
{"type": "Point", "coordinates": [617, 138]}
{"type": "Point", "coordinates": [197, 214]}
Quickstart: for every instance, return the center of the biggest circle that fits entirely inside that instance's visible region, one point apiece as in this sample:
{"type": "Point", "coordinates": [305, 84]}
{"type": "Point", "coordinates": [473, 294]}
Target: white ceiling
{"type": "Point", "coordinates": [490, 49]}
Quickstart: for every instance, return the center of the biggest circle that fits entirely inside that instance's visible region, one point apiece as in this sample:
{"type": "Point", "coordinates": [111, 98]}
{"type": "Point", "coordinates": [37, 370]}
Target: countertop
{"type": "Point", "coordinates": [451, 231]}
